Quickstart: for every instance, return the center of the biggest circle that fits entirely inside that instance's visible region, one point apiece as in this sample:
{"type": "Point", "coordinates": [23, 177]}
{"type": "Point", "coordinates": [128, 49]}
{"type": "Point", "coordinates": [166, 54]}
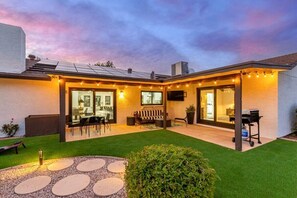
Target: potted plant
{"type": "Point", "coordinates": [190, 110]}
{"type": "Point", "coordinates": [10, 129]}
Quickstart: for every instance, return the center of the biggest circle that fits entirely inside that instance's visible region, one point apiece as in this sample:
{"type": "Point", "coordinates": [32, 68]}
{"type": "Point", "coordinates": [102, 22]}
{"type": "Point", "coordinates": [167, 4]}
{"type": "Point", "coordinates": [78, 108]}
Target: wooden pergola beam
{"type": "Point", "coordinates": [238, 112]}
{"type": "Point", "coordinates": [164, 107]}
{"type": "Point", "coordinates": [62, 118]}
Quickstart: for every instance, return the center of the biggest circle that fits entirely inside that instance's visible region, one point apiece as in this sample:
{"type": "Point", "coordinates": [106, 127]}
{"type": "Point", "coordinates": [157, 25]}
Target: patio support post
{"type": "Point", "coordinates": [62, 118]}
{"type": "Point", "coordinates": [238, 112]}
{"type": "Point", "coordinates": [164, 106]}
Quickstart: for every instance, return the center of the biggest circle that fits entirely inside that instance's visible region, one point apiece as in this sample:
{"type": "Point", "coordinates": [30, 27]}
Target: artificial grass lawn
{"type": "Point", "coordinates": [267, 171]}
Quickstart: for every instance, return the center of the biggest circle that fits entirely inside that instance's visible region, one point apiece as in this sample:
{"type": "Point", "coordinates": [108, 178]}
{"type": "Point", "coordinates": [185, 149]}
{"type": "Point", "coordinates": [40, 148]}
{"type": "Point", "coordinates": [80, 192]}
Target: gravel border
{"type": "Point", "coordinates": [12, 176]}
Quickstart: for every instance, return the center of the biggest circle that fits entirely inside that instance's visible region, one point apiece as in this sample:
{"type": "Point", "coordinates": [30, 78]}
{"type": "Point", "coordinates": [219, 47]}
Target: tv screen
{"type": "Point", "coordinates": [175, 95]}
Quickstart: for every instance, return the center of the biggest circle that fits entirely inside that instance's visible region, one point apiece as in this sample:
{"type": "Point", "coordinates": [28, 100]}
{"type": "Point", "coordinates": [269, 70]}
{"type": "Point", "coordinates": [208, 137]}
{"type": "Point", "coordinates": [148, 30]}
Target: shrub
{"type": "Point", "coordinates": [10, 129]}
{"type": "Point", "coordinates": [169, 171]}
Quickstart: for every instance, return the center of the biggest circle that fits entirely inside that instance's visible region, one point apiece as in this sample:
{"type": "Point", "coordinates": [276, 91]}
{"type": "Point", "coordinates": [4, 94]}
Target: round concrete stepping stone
{"type": "Point", "coordinates": [90, 165]}
{"type": "Point", "coordinates": [71, 184]}
{"type": "Point", "coordinates": [32, 185]}
{"type": "Point", "coordinates": [60, 164]}
{"type": "Point", "coordinates": [108, 186]}
{"type": "Point", "coordinates": [117, 167]}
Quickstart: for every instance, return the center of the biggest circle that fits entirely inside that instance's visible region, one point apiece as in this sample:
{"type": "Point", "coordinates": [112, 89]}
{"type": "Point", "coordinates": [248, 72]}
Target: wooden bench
{"type": "Point", "coordinates": [12, 146]}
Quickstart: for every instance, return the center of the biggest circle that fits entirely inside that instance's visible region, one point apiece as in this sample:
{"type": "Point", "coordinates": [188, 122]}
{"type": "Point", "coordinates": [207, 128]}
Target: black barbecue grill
{"type": "Point", "coordinates": [250, 120]}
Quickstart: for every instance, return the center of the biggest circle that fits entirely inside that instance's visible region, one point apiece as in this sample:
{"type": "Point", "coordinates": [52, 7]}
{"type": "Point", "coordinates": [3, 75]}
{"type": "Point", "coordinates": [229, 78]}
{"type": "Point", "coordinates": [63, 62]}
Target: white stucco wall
{"type": "Point", "coordinates": [126, 105]}
{"type": "Point", "coordinates": [20, 98]}
{"type": "Point", "coordinates": [257, 93]}
{"type": "Point", "coordinates": [287, 101]}
{"type": "Point", "coordinates": [12, 49]}
{"type": "Point", "coordinates": [262, 93]}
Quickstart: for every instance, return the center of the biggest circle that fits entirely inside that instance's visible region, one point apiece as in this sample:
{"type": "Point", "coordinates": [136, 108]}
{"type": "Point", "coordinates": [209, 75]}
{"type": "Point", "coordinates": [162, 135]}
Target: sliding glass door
{"type": "Point", "coordinates": [88, 102]}
{"type": "Point", "coordinates": [216, 105]}
{"type": "Point", "coordinates": [207, 104]}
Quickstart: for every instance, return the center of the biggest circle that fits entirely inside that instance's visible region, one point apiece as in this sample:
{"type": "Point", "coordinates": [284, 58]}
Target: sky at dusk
{"type": "Point", "coordinates": [151, 35]}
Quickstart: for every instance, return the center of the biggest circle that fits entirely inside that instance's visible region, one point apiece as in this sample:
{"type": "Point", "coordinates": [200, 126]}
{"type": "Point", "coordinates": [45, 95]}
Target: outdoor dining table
{"type": "Point", "coordinates": [86, 121]}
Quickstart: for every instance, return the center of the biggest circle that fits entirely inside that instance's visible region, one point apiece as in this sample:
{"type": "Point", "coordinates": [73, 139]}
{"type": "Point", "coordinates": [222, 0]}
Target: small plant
{"type": "Point", "coordinates": [190, 108]}
{"type": "Point", "coordinates": [169, 171]}
{"type": "Point", "coordinates": [10, 129]}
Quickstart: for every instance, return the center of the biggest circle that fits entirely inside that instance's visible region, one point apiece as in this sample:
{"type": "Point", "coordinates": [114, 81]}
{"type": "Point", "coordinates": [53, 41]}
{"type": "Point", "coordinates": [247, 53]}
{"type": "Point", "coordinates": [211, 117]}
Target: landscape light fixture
{"type": "Point", "coordinates": [40, 156]}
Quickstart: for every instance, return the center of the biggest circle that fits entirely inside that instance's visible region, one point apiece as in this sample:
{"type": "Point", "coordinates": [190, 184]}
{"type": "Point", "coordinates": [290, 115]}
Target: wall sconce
{"type": "Point", "coordinates": [40, 156]}
{"type": "Point", "coordinates": [121, 94]}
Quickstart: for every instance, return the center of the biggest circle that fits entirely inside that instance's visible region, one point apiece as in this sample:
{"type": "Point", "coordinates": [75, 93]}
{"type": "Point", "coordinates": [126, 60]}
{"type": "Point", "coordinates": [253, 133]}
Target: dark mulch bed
{"type": "Point", "coordinates": [292, 136]}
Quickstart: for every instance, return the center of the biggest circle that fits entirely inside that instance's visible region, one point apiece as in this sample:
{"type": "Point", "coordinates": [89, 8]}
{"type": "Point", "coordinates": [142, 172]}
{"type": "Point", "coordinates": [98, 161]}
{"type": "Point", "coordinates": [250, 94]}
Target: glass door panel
{"type": "Point", "coordinates": [207, 104]}
{"type": "Point", "coordinates": [104, 104]}
{"type": "Point", "coordinates": [225, 104]}
{"type": "Point", "coordinates": [82, 104]}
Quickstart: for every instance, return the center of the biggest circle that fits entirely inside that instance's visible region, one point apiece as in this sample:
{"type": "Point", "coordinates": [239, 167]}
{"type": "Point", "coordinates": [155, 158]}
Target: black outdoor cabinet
{"type": "Point", "coordinates": [36, 125]}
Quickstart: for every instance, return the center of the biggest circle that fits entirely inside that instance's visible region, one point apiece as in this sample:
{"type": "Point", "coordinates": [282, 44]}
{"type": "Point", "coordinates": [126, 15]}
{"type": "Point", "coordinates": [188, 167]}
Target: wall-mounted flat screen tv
{"type": "Point", "coordinates": [175, 95]}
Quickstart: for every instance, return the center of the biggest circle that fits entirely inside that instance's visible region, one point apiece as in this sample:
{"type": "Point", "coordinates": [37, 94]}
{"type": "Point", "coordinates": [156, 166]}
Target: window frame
{"type": "Point", "coordinates": [152, 99]}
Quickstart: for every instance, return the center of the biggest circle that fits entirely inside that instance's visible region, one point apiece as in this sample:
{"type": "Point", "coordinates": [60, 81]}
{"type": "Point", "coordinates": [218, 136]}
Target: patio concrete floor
{"type": "Point", "coordinates": [215, 135]}
{"type": "Point", "coordinates": [219, 136]}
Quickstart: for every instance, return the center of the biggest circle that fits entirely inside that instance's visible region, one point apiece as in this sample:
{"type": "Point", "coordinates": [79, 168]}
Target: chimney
{"type": "Point", "coordinates": [179, 68]}
{"type": "Point", "coordinates": [31, 57]}
{"type": "Point", "coordinates": [153, 75]}
{"type": "Point", "coordinates": [129, 70]}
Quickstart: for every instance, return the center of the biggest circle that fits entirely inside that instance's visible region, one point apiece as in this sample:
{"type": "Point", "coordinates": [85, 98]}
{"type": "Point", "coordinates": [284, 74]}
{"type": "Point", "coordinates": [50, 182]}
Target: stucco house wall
{"type": "Point", "coordinates": [126, 106]}
{"type": "Point", "coordinates": [21, 98]}
{"type": "Point", "coordinates": [287, 101]}
{"type": "Point", "coordinates": [257, 93]}
{"type": "Point", "coordinates": [262, 94]}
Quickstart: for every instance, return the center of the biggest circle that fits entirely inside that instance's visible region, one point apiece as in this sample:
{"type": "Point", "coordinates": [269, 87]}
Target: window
{"type": "Point", "coordinates": [151, 98]}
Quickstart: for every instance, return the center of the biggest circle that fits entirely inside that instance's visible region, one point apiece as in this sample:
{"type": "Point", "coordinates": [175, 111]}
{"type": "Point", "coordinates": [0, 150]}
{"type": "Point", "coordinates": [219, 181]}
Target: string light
{"type": "Point", "coordinates": [177, 86]}
{"type": "Point", "coordinates": [98, 83]}
{"type": "Point", "coordinates": [215, 82]}
{"type": "Point", "coordinates": [199, 84]}
{"type": "Point", "coordinates": [257, 75]}
{"type": "Point", "coordinates": [272, 74]}
{"type": "Point", "coordinates": [187, 85]}
{"type": "Point", "coordinates": [249, 75]}
{"type": "Point", "coordinates": [114, 85]}
{"type": "Point", "coordinates": [81, 83]}
{"type": "Point", "coordinates": [265, 75]}
{"type": "Point", "coordinates": [169, 87]}
{"type": "Point", "coordinates": [151, 87]}
{"type": "Point", "coordinates": [126, 86]}
{"type": "Point", "coordinates": [161, 87]}
{"type": "Point", "coordinates": [233, 80]}
{"type": "Point", "coordinates": [139, 86]}
{"type": "Point", "coordinates": [59, 81]}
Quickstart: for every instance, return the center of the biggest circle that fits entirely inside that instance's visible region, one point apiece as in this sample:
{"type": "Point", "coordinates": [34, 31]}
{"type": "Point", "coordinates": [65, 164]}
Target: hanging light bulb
{"type": "Point", "coordinates": [81, 83]}
{"type": "Point", "coordinates": [139, 86]}
{"type": "Point", "coordinates": [161, 87]}
{"type": "Point", "coordinates": [126, 86]}
{"type": "Point", "coordinates": [249, 75]}
{"type": "Point", "coordinates": [114, 85]}
{"type": "Point", "coordinates": [187, 85]}
{"type": "Point", "coordinates": [272, 74]}
{"type": "Point", "coordinates": [98, 84]}
{"type": "Point", "coordinates": [233, 80]}
{"type": "Point", "coordinates": [265, 75]}
{"type": "Point", "coordinates": [199, 84]}
{"type": "Point", "coordinates": [215, 82]}
{"type": "Point", "coordinates": [151, 87]}
{"type": "Point", "coordinates": [177, 86]}
{"type": "Point", "coordinates": [257, 75]}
